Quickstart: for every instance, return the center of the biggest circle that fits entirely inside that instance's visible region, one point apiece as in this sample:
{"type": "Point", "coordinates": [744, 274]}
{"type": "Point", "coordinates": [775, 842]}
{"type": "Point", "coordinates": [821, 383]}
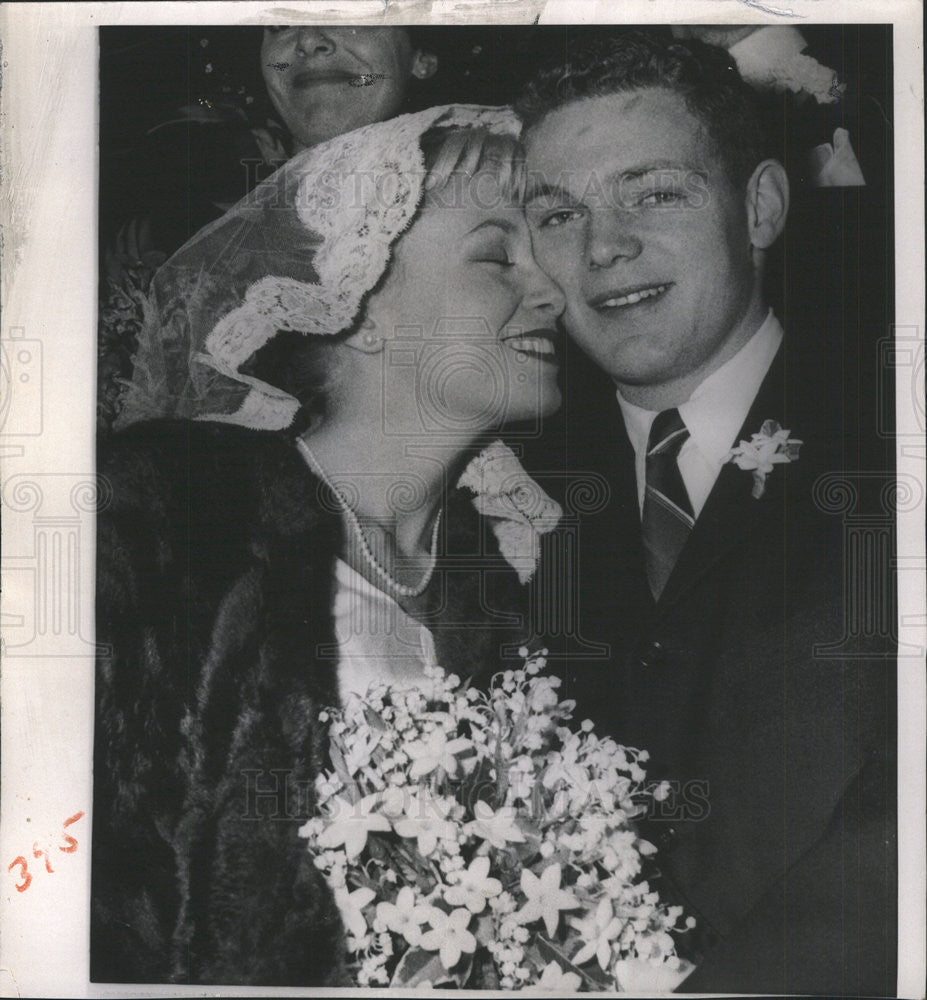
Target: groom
{"type": "Point", "coordinates": [716, 587]}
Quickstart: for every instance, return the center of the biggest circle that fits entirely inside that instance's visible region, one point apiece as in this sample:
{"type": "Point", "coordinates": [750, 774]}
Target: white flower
{"type": "Point", "coordinates": [433, 752]}
{"type": "Point", "coordinates": [584, 834]}
{"type": "Point", "coordinates": [312, 827]}
{"type": "Point", "coordinates": [350, 905]}
{"type": "Point", "coordinates": [518, 510]}
{"type": "Point", "coordinates": [351, 822]}
{"type": "Point", "coordinates": [545, 898]}
{"type": "Point", "coordinates": [565, 766]}
{"type": "Point", "coordinates": [395, 800]}
{"type": "Point", "coordinates": [542, 695]}
{"type": "Point", "coordinates": [358, 750]}
{"type": "Point", "coordinates": [474, 886]}
{"type": "Point", "coordinates": [328, 786]}
{"type": "Point", "coordinates": [598, 930]}
{"type": "Point", "coordinates": [496, 827]}
{"type": "Point", "coordinates": [635, 975]}
{"type": "Point", "coordinates": [424, 821]}
{"type": "Point", "coordinates": [405, 916]}
{"type": "Point", "coordinates": [770, 447]}
{"type": "Point", "coordinates": [449, 935]}
{"type": "Point", "coordinates": [553, 978]}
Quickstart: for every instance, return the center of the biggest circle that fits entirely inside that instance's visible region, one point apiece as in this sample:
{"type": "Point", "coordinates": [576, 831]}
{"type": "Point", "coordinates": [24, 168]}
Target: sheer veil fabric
{"type": "Point", "coordinates": [298, 254]}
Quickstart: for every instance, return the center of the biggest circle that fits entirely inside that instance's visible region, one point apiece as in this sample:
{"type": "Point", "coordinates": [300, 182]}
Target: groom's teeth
{"type": "Point", "coordinates": [630, 299]}
{"type": "Point", "coordinates": [538, 345]}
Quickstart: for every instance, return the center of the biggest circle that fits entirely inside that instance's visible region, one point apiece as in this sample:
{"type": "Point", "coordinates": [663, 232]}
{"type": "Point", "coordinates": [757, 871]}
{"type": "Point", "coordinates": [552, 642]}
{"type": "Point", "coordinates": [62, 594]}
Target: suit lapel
{"type": "Point", "coordinates": [731, 511]}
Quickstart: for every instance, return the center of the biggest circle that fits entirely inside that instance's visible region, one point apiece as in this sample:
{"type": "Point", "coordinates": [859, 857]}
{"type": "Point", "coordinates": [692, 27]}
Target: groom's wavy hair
{"type": "Point", "coordinates": [705, 76]}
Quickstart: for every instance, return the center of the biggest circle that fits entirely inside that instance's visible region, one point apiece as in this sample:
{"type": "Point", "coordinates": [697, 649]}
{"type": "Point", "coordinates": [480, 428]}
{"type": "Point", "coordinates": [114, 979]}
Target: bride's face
{"type": "Point", "coordinates": [468, 308]}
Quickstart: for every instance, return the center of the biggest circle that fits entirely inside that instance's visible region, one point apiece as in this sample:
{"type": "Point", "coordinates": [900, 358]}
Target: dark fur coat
{"type": "Point", "coordinates": [214, 595]}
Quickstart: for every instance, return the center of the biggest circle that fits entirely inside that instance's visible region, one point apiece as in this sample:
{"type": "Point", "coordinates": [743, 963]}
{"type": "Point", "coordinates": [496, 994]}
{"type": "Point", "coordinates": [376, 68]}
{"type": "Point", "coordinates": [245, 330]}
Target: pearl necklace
{"type": "Point", "coordinates": [400, 588]}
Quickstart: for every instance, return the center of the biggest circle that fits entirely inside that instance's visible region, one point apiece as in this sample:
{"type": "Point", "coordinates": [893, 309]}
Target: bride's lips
{"type": "Point", "coordinates": [632, 295]}
{"type": "Point", "coordinates": [540, 344]}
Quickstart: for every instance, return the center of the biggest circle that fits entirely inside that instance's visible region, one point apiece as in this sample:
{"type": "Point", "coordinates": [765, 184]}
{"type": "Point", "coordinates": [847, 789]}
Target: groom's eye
{"type": "Point", "coordinates": [658, 198]}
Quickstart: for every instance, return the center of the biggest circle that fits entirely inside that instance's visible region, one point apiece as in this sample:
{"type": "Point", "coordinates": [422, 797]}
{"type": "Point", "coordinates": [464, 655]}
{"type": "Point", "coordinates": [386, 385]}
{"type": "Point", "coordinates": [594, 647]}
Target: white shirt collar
{"type": "Point", "coordinates": [717, 409]}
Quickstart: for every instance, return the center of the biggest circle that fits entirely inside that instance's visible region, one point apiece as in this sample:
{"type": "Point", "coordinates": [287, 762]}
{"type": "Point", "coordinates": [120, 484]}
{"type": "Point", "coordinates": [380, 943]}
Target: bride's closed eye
{"type": "Point", "coordinates": [493, 252]}
{"type": "Point", "coordinates": [502, 259]}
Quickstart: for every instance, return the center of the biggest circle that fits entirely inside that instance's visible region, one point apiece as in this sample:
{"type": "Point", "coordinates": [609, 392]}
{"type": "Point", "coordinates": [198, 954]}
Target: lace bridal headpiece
{"type": "Point", "coordinates": [298, 254]}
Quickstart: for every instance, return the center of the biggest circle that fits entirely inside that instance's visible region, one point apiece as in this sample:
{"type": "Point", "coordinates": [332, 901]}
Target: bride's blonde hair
{"type": "Point", "coordinates": [303, 366]}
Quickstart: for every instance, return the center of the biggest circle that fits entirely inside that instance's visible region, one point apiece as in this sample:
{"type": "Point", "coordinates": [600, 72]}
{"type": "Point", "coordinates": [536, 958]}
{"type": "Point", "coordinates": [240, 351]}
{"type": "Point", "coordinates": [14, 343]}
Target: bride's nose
{"type": "Point", "coordinates": [544, 294]}
{"type": "Point", "coordinates": [314, 41]}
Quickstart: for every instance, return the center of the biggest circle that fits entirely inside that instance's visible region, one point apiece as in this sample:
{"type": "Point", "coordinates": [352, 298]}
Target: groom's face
{"type": "Point", "coordinates": [635, 217]}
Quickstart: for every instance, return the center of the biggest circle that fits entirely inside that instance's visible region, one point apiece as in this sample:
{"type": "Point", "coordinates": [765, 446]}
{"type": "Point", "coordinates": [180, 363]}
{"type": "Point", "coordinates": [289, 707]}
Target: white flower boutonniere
{"type": "Point", "coordinates": [518, 509]}
{"type": "Point", "coordinates": [772, 446]}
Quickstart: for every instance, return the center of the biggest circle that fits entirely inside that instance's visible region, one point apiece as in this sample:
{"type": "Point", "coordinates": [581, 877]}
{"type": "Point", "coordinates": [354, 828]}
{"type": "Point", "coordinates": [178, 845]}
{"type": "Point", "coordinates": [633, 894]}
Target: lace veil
{"type": "Point", "coordinates": [298, 254]}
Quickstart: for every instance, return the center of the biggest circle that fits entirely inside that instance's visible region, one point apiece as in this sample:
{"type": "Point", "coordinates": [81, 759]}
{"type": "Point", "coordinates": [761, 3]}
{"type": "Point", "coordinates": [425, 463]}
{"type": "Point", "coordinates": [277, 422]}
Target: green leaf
{"type": "Point", "coordinates": [462, 970]}
{"type": "Point", "coordinates": [594, 977]}
{"type": "Point", "coordinates": [417, 967]}
{"type": "Point", "coordinates": [532, 843]}
{"type": "Point", "coordinates": [374, 720]}
{"type": "Point", "coordinates": [341, 769]}
{"type": "Point", "coordinates": [412, 869]}
{"type": "Point", "coordinates": [484, 975]}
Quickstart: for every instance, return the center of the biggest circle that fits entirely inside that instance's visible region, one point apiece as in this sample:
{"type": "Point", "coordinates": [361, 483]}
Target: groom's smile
{"type": "Point", "coordinates": [633, 213]}
{"type": "Point", "coordinates": [629, 296]}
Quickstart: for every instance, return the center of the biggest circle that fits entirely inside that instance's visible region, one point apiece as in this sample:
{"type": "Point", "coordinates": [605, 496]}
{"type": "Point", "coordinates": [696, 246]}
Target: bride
{"type": "Point", "coordinates": [294, 514]}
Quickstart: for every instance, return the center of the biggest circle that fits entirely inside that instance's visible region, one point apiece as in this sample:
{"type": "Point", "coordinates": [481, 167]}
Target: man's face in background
{"type": "Point", "coordinates": [325, 81]}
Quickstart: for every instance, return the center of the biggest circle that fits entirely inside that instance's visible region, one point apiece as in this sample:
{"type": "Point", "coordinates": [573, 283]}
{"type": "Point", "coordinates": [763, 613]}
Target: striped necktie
{"type": "Point", "coordinates": [668, 517]}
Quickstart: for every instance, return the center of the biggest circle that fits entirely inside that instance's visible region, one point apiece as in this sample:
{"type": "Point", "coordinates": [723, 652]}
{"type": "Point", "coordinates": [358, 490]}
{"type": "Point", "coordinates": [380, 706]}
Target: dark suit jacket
{"type": "Point", "coordinates": [761, 690]}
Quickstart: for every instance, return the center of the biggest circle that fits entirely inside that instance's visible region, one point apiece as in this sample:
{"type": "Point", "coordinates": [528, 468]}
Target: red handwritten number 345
{"type": "Point", "coordinates": [25, 874]}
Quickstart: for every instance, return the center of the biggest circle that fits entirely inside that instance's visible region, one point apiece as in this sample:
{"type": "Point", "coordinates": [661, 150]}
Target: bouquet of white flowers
{"type": "Point", "coordinates": [471, 838]}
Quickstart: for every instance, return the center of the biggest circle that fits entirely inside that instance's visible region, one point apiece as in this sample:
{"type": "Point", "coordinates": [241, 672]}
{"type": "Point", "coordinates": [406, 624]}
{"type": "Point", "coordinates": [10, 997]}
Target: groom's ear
{"type": "Point", "coordinates": [767, 204]}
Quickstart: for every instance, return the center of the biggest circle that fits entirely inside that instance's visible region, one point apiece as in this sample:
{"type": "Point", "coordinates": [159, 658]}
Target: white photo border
{"type": "Point", "coordinates": [47, 424]}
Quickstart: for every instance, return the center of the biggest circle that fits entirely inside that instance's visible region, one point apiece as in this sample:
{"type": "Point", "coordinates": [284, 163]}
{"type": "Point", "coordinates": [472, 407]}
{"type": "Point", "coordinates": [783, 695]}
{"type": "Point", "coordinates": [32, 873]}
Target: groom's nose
{"type": "Point", "coordinates": [610, 238]}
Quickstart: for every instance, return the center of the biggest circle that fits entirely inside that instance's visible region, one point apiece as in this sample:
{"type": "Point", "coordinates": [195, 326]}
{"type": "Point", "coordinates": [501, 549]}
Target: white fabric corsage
{"type": "Point", "coordinates": [518, 509]}
{"type": "Point", "coordinates": [772, 446]}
